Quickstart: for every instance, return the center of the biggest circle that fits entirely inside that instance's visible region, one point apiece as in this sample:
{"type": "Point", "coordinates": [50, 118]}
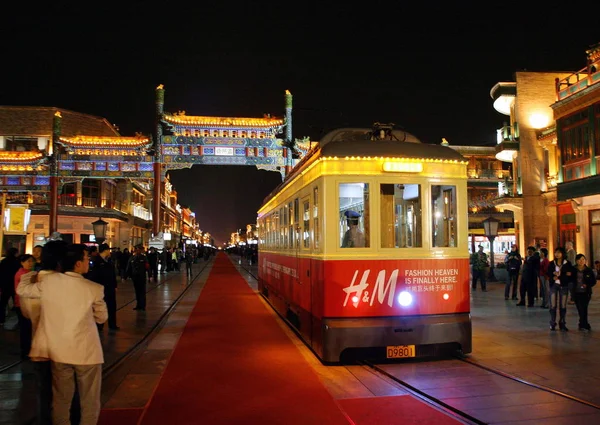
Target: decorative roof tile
{"type": "Point", "coordinates": [13, 157]}
{"type": "Point", "coordinates": [182, 119]}
{"type": "Point", "coordinates": [37, 121]}
{"type": "Point", "coordinates": [105, 142]}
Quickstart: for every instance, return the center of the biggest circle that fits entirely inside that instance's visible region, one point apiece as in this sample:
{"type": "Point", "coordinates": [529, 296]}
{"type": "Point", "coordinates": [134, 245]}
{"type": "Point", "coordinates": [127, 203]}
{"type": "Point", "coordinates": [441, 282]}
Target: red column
{"type": "Point", "coordinates": [53, 204]}
{"type": "Point", "coordinates": [156, 198]}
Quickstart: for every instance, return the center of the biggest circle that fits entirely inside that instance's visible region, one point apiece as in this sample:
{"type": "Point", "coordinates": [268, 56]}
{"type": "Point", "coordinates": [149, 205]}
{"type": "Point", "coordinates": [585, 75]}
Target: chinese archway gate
{"type": "Point", "coordinates": [182, 141]}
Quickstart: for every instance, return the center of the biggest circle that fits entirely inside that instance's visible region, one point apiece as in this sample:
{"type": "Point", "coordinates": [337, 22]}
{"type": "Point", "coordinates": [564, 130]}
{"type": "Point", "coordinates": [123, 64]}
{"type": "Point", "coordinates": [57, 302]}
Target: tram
{"type": "Point", "coordinates": [363, 247]}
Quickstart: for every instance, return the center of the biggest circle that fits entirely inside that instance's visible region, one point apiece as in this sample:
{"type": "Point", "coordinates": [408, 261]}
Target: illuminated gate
{"type": "Point", "coordinates": [183, 141]}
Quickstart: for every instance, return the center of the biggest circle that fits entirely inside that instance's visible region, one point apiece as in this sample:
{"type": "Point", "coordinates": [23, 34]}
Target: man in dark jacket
{"type": "Point", "coordinates": [513, 265]}
{"type": "Point", "coordinates": [8, 268]}
{"type": "Point", "coordinates": [103, 271]}
{"type": "Point", "coordinates": [137, 269]}
{"type": "Point", "coordinates": [153, 261]}
{"type": "Point", "coordinates": [529, 276]}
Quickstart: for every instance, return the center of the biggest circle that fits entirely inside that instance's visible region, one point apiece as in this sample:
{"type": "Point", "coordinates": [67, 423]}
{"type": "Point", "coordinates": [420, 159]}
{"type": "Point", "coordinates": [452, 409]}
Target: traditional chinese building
{"type": "Point", "coordinates": [577, 136]}
{"type": "Point", "coordinates": [553, 142]}
{"type": "Point", "coordinates": [67, 169]}
{"type": "Point", "coordinates": [488, 178]}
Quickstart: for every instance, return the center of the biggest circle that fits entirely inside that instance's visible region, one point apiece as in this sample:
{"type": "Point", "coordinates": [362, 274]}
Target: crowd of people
{"type": "Point", "coordinates": [63, 294]}
{"type": "Point", "coordinates": [565, 279]}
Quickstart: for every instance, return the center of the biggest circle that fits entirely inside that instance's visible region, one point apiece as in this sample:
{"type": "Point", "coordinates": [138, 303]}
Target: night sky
{"type": "Point", "coordinates": [429, 69]}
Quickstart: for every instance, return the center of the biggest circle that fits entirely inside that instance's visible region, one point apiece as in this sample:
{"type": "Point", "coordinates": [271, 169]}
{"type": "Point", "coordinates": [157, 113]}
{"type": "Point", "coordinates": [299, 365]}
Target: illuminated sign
{"type": "Point", "coordinates": [403, 167]}
{"type": "Point", "coordinates": [224, 151]}
{"type": "Point", "coordinates": [16, 219]}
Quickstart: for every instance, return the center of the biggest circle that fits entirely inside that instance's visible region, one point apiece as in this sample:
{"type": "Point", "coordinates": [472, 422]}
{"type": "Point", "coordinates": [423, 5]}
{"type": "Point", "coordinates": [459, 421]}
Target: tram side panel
{"type": "Point", "coordinates": [286, 282]}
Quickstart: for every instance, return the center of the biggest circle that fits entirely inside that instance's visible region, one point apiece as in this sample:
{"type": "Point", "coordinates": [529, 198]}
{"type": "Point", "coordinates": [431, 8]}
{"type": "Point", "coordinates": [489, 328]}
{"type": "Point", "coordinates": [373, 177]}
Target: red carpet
{"type": "Point", "coordinates": [395, 410]}
{"type": "Point", "coordinates": [234, 365]}
{"type": "Point", "coordinates": [119, 416]}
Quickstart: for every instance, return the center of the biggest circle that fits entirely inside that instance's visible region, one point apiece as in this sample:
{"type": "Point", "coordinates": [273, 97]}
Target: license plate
{"type": "Point", "coordinates": [400, 351]}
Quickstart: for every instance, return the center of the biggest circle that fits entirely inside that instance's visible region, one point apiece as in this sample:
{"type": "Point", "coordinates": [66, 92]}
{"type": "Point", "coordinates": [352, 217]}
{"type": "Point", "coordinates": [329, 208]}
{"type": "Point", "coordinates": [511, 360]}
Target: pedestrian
{"type": "Point", "coordinates": [597, 269]}
{"type": "Point", "coordinates": [560, 273]}
{"type": "Point", "coordinates": [123, 263]}
{"type": "Point", "coordinates": [153, 262]}
{"type": "Point", "coordinates": [37, 255]}
{"type": "Point", "coordinates": [570, 256]}
{"type": "Point", "coordinates": [583, 282]}
{"type": "Point", "coordinates": [103, 272]}
{"type": "Point", "coordinates": [27, 264]}
{"type": "Point", "coordinates": [29, 293]}
{"type": "Point", "coordinates": [513, 262]}
{"type": "Point", "coordinates": [8, 268]}
{"type": "Point", "coordinates": [67, 335]}
{"type": "Point", "coordinates": [529, 276]}
{"type": "Point", "coordinates": [544, 283]}
{"type": "Point", "coordinates": [189, 260]}
{"type": "Point", "coordinates": [137, 268]}
{"type": "Point", "coordinates": [479, 263]}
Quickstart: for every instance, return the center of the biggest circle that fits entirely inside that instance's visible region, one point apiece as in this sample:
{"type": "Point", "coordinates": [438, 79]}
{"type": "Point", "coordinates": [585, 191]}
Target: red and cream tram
{"type": "Point", "coordinates": [363, 247]}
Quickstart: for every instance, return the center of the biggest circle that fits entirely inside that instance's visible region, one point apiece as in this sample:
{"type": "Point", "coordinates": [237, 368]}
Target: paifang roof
{"type": "Point", "coordinates": [38, 121]}
{"type": "Point", "coordinates": [189, 120]}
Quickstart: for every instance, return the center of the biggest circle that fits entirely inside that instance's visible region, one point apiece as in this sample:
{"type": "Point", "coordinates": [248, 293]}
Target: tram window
{"type": "Point", "coordinates": [284, 226]}
{"type": "Point", "coordinates": [282, 242]}
{"type": "Point", "coordinates": [306, 220]}
{"type": "Point", "coordinates": [291, 227]}
{"type": "Point", "coordinates": [401, 215]}
{"type": "Point", "coordinates": [354, 215]}
{"type": "Point", "coordinates": [316, 216]}
{"type": "Point", "coordinates": [297, 221]}
{"type": "Point", "coordinates": [443, 220]}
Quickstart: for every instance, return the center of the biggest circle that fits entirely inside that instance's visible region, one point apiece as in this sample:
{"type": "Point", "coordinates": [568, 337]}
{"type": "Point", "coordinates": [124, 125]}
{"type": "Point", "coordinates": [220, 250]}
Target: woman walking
{"type": "Point", "coordinates": [582, 290]}
{"type": "Point", "coordinates": [560, 274]}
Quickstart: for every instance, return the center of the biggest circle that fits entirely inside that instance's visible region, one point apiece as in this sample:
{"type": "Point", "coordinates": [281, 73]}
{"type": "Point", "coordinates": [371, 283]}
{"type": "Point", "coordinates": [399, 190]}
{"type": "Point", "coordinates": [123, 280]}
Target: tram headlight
{"type": "Point", "coordinates": [446, 296]}
{"type": "Point", "coordinates": [355, 299]}
{"type": "Point", "coordinates": [405, 298]}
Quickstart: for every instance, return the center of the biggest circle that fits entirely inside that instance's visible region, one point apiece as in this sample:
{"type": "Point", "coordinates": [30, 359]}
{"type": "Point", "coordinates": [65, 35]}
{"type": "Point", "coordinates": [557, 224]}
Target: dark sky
{"type": "Point", "coordinates": [429, 69]}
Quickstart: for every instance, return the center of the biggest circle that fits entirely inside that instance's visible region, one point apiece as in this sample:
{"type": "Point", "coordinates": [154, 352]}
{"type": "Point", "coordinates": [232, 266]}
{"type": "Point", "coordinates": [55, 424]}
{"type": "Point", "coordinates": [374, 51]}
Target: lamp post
{"type": "Point", "coordinates": [100, 230]}
{"type": "Point", "coordinates": [490, 227]}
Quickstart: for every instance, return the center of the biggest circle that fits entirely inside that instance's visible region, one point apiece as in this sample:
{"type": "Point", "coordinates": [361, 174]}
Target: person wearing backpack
{"type": "Point", "coordinates": [137, 268]}
{"type": "Point", "coordinates": [513, 262]}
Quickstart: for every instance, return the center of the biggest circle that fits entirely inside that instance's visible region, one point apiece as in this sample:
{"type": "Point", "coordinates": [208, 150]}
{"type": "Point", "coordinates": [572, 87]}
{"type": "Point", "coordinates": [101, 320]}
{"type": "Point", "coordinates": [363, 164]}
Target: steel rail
{"type": "Point", "coordinates": [429, 399]}
{"type": "Point", "coordinates": [529, 383]}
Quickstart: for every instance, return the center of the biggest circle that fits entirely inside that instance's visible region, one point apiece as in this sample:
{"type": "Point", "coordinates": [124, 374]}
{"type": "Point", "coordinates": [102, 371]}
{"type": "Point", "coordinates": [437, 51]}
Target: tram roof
{"type": "Point", "coordinates": [358, 142]}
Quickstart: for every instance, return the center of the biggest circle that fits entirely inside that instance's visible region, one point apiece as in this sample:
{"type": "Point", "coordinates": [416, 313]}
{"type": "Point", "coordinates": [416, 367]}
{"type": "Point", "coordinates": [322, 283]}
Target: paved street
{"type": "Point", "coordinates": [514, 340]}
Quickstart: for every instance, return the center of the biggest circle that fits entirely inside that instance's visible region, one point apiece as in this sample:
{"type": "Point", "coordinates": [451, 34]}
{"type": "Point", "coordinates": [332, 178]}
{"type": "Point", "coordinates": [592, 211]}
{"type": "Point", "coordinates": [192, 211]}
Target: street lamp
{"type": "Point", "coordinates": [490, 228]}
{"type": "Point", "coordinates": [100, 230]}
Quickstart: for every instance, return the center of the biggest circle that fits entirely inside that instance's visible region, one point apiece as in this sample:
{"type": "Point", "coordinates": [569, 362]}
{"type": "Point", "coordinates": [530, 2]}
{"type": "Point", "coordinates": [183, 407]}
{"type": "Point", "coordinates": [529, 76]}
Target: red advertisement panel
{"type": "Point", "coordinates": [370, 288]}
{"type": "Point", "coordinates": [396, 287]}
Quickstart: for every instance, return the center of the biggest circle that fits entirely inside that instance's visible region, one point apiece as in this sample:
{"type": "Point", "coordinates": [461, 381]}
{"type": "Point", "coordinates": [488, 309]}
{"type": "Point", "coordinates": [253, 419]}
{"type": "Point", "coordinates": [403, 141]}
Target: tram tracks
{"type": "Point", "coordinates": [460, 403]}
{"type": "Point", "coordinates": [133, 349]}
{"type": "Point", "coordinates": [424, 390]}
{"type": "Point", "coordinates": [424, 396]}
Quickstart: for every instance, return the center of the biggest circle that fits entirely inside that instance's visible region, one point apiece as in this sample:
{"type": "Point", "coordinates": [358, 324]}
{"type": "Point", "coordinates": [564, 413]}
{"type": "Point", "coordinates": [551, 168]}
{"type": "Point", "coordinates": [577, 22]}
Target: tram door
{"type": "Point", "coordinates": [303, 288]}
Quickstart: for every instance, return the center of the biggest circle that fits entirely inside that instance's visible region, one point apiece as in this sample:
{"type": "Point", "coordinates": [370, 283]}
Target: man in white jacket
{"type": "Point", "coordinates": [67, 334]}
